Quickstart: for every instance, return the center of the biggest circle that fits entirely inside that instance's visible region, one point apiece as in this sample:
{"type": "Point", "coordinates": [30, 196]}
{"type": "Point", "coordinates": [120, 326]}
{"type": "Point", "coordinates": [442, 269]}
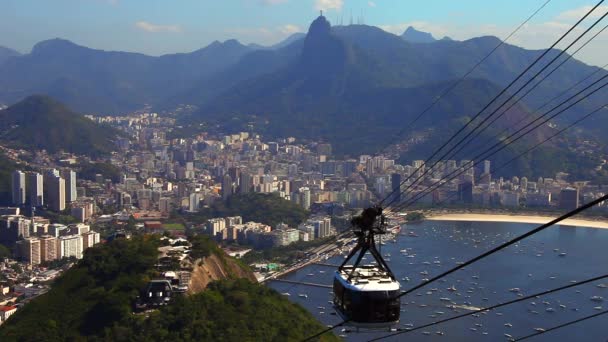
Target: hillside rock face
{"type": "Point", "coordinates": [214, 268]}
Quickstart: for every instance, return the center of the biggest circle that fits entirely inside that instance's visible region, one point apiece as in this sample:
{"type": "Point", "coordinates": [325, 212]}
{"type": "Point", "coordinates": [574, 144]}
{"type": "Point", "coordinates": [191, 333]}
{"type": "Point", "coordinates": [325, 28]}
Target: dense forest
{"type": "Point", "coordinates": [94, 301]}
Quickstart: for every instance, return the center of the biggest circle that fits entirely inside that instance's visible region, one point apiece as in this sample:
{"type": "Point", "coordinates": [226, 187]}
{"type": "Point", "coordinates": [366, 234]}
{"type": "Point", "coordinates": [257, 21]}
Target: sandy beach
{"type": "Point", "coordinates": [518, 219]}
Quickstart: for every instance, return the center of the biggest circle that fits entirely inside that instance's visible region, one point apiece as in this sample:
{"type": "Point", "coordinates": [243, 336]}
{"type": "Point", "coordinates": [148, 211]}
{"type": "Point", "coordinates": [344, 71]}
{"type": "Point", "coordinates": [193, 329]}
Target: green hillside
{"type": "Point", "coordinates": [39, 122]}
{"type": "Point", "coordinates": [93, 301]}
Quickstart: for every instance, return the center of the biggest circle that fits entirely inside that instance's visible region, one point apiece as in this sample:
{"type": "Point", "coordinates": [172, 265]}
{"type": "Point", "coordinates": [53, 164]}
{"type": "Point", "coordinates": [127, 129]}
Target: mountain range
{"type": "Point", "coordinates": [354, 86]}
{"type": "Point", "coordinates": [39, 122]}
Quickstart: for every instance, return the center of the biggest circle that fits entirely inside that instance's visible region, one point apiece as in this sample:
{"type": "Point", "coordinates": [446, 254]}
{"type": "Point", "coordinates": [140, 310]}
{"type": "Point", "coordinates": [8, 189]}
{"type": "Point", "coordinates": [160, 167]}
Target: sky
{"type": "Point", "coordinates": [158, 27]}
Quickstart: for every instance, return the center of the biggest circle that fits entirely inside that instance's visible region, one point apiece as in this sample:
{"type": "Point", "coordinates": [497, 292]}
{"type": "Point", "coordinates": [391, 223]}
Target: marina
{"type": "Point", "coordinates": [442, 245]}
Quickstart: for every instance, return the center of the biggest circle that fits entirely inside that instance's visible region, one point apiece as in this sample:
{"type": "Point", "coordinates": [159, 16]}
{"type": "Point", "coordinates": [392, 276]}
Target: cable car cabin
{"type": "Point", "coordinates": [368, 299]}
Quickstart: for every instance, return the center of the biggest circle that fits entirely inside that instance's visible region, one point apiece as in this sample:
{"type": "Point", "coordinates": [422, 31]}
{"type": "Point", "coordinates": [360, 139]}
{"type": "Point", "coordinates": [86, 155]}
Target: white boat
{"type": "Point", "coordinates": [303, 295]}
{"type": "Point", "coordinates": [515, 290]}
{"type": "Point", "coordinates": [562, 254]}
{"type": "Point", "coordinates": [452, 288]}
{"type": "Point", "coordinates": [286, 294]}
{"type": "Point", "coordinates": [597, 298]}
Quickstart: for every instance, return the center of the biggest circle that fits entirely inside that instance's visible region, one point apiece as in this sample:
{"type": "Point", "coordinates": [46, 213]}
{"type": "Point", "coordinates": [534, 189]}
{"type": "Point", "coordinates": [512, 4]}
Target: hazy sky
{"type": "Point", "coordinates": [165, 26]}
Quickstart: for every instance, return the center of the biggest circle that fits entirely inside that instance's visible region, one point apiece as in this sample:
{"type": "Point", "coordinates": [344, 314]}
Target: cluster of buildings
{"type": "Point", "coordinates": [54, 190]}
{"type": "Point", "coordinates": [37, 241]}
{"type": "Point", "coordinates": [262, 236]}
{"type": "Point", "coordinates": [476, 186]}
{"type": "Point", "coordinates": [161, 175]}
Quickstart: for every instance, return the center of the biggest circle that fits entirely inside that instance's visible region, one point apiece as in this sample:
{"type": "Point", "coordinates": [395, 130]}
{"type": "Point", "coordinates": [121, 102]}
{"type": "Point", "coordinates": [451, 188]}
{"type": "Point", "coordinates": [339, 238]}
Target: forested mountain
{"type": "Point", "coordinates": [39, 122]}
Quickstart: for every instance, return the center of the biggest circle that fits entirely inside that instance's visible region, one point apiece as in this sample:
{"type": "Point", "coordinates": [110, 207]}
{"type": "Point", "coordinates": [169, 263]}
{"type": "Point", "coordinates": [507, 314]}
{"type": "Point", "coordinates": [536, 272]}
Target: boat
{"type": "Point", "coordinates": [303, 295]}
{"type": "Point", "coordinates": [597, 298]}
{"type": "Point", "coordinates": [562, 254]}
{"type": "Point", "coordinates": [452, 288]}
{"type": "Point", "coordinates": [286, 294]}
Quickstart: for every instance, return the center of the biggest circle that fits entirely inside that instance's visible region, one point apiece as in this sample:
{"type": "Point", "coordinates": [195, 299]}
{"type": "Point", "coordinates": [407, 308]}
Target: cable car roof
{"type": "Point", "coordinates": [367, 278]}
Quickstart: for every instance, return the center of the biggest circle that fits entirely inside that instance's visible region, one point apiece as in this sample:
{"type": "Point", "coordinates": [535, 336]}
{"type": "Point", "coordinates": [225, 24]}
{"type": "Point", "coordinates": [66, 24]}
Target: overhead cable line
{"type": "Point", "coordinates": [463, 77]}
{"type": "Point", "coordinates": [496, 118]}
{"type": "Point", "coordinates": [467, 135]}
{"type": "Point", "coordinates": [598, 69]}
{"type": "Point", "coordinates": [509, 141]}
{"type": "Point", "coordinates": [562, 325]}
{"type": "Point", "coordinates": [482, 256]}
{"type": "Point", "coordinates": [574, 123]}
{"type": "Point", "coordinates": [503, 91]}
{"type": "Point", "coordinates": [493, 307]}
{"type": "Point", "coordinates": [508, 243]}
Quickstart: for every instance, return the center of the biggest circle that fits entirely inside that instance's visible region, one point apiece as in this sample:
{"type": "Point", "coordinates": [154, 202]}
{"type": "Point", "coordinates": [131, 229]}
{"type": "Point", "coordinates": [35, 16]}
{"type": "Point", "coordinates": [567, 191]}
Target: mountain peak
{"type": "Point", "coordinates": [54, 45]}
{"type": "Point", "coordinates": [40, 122]}
{"type": "Point", "coordinates": [414, 36]}
{"type": "Point", "coordinates": [323, 52]}
{"type": "Point", "coordinates": [320, 27]}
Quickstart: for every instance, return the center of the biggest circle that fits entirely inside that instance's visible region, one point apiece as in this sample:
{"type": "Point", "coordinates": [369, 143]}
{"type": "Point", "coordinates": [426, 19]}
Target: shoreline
{"type": "Point", "coordinates": [533, 219]}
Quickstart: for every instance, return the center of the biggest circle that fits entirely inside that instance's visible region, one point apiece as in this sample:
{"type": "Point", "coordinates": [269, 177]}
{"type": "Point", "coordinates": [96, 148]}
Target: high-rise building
{"type": "Point", "coordinates": [18, 188]}
{"type": "Point", "coordinates": [568, 199]}
{"type": "Point", "coordinates": [246, 183]}
{"type": "Point", "coordinates": [305, 199]}
{"type": "Point", "coordinates": [48, 248]}
{"type": "Point", "coordinates": [164, 205]}
{"type": "Point", "coordinates": [90, 239]}
{"type": "Point", "coordinates": [28, 250]}
{"type": "Point", "coordinates": [70, 185]}
{"type": "Point", "coordinates": [14, 227]}
{"type": "Point", "coordinates": [486, 167]}
{"type": "Point", "coordinates": [465, 192]}
{"type": "Point", "coordinates": [68, 246]}
{"type": "Point", "coordinates": [35, 189]}
{"type": "Point", "coordinates": [227, 187]}
{"type": "Point", "coordinates": [55, 187]}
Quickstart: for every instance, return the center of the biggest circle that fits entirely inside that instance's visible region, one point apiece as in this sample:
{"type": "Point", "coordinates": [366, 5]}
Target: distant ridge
{"type": "Point", "coordinates": [6, 53]}
{"type": "Point", "coordinates": [39, 122]}
{"type": "Point", "coordinates": [414, 36]}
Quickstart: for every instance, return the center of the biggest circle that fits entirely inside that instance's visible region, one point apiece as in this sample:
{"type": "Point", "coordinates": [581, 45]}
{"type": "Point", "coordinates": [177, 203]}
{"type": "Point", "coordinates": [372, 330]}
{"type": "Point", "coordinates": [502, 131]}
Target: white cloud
{"type": "Point", "coordinates": [329, 5]}
{"type": "Point", "coordinates": [290, 29]}
{"type": "Point", "coordinates": [265, 35]}
{"type": "Point", "coordinates": [154, 28]}
{"type": "Point", "coordinates": [371, 4]}
{"type": "Point", "coordinates": [578, 13]}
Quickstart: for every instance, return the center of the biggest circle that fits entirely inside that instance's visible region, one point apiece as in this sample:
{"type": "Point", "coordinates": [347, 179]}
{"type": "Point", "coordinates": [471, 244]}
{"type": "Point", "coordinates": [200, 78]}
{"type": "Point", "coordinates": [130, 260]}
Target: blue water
{"type": "Point", "coordinates": [533, 266]}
